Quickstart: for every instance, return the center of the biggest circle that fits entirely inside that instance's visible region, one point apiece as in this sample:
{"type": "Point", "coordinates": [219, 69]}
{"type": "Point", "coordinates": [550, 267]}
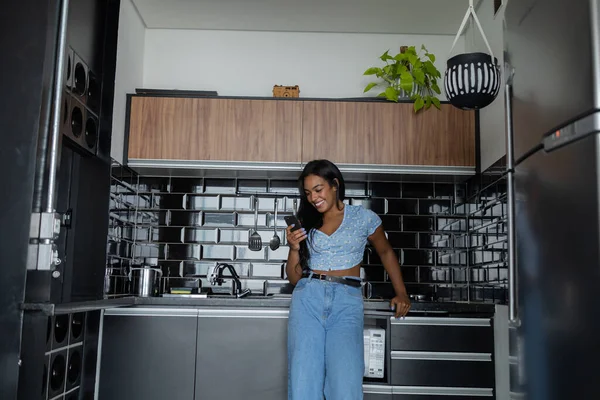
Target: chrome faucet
{"type": "Point", "coordinates": [216, 278]}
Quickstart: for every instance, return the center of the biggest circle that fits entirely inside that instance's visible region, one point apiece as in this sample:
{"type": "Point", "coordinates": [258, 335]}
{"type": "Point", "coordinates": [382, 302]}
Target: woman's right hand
{"type": "Point", "coordinates": [294, 238]}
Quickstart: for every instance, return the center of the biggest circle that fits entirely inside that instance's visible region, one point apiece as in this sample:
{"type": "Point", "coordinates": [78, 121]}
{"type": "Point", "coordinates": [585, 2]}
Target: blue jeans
{"type": "Point", "coordinates": [325, 341]}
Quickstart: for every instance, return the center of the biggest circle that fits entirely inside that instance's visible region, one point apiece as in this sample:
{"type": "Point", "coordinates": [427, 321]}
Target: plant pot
{"type": "Point", "coordinates": [404, 95]}
{"type": "Point", "coordinates": [472, 80]}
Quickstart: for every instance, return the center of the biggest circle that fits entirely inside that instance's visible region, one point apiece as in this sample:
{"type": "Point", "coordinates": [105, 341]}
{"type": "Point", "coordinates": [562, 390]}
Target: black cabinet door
{"type": "Point", "coordinates": [443, 373]}
{"type": "Point", "coordinates": [473, 335]}
{"type": "Point", "coordinates": [148, 354]}
{"type": "Point", "coordinates": [242, 354]}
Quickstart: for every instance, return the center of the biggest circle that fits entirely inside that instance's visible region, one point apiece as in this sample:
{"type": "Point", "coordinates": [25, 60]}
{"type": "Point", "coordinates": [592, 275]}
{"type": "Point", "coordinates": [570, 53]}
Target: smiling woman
{"type": "Point", "coordinates": [325, 332]}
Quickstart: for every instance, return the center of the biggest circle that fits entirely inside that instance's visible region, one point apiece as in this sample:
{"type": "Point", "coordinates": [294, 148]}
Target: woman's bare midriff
{"type": "Point", "coordinates": [354, 271]}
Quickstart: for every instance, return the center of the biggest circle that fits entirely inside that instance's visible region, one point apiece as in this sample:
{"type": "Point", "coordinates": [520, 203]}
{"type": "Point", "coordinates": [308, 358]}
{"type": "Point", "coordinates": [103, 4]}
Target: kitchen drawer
{"type": "Point", "coordinates": [474, 335]}
{"type": "Point", "coordinates": [465, 370]}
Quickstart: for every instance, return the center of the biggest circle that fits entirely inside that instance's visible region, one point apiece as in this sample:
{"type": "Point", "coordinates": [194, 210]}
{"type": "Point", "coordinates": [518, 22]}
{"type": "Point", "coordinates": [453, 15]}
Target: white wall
{"type": "Point", "coordinates": [244, 63]}
{"type": "Point", "coordinates": [130, 70]}
{"type": "Point", "coordinates": [492, 118]}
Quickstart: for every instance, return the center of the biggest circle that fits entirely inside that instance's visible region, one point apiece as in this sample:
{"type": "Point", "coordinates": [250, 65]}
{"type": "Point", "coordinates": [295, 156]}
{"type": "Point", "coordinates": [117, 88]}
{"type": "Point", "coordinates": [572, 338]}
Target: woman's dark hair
{"type": "Point", "coordinates": [308, 215]}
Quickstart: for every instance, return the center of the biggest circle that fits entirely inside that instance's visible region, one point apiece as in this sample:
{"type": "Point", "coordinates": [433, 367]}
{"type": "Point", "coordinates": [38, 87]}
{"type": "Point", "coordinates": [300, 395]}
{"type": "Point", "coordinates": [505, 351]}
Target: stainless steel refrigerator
{"type": "Point", "coordinates": [552, 71]}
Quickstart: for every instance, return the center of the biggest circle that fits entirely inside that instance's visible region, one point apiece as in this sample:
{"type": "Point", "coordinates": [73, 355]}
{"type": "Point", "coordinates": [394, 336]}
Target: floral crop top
{"type": "Point", "coordinates": [345, 247]}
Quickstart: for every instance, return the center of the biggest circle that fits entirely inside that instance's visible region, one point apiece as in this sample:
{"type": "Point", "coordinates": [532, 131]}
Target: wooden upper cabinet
{"type": "Point", "coordinates": [170, 128]}
{"type": "Point", "coordinates": [294, 131]}
{"type": "Point", "coordinates": [387, 133]}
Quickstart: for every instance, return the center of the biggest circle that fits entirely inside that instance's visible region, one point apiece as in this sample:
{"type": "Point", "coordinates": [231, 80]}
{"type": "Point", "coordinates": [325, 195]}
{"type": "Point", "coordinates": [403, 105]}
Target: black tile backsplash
{"type": "Point", "coordinates": [185, 218]}
{"type": "Point", "coordinates": [186, 185]}
{"type": "Point", "coordinates": [214, 185]}
{"type": "Point", "coordinates": [385, 189]}
{"type": "Point", "coordinates": [417, 224]}
{"type": "Point", "coordinates": [403, 240]}
{"type": "Point", "coordinates": [435, 207]}
{"type": "Point", "coordinates": [417, 257]}
{"type": "Point", "coordinates": [391, 223]}
{"type": "Point", "coordinates": [279, 186]}
{"type": "Point", "coordinates": [417, 190]}
{"type": "Point", "coordinates": [450, 238]}
{"type": "Point", "coordinates": [437, 241]}
{"type": "Point", "coordinates": [378, 205]}
{"type": "Point", "coordinates": [165, 202]}
{"type": "Point", "coordinates": [375, 274]}
{"type": "Point", "coordinates": [160, 185]}
{"type": "Point", "coordinates": [403, 206]}
{"type": "Point", "coordinates": [410, 274]}
{"type": "Point", "coordinates": [485, 207]}
{"type": "Point", "coordinates": [444, 191]}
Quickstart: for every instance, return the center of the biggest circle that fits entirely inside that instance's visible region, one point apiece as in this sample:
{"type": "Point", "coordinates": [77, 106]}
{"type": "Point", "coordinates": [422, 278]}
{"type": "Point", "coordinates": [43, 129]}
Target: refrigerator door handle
{"type": "Point", "coordinates": [510, 190]}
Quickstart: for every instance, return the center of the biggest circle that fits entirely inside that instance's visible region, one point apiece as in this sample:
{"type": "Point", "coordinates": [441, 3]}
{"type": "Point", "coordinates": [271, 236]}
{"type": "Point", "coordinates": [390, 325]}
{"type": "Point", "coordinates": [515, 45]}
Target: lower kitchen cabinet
{"type": "Point", "coordinates": [441, 356]}
{"type": "Point", "coordinates": [148, 354]}
{"type": "Point", "coordinates": [386, 392]}
{"type": "Point", "coordinates": [226, 353]}
{"type": "Point", "coordinates": [194, 354]}
{"type": "Point", "coordinates": [242, 354]}
{"type": "Point", "coordinates": [471, 335]}
{"type": "Point", "coordinates": [440, 372]}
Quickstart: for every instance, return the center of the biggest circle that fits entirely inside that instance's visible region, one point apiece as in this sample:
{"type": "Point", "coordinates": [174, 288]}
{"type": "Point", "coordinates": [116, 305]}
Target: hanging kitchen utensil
{"type": "Point", "coordinates": [275, 241]}
{"type": "Point", "coordinates": [255, 241]}
{"type": "Point", "coordinates": [472, 80]}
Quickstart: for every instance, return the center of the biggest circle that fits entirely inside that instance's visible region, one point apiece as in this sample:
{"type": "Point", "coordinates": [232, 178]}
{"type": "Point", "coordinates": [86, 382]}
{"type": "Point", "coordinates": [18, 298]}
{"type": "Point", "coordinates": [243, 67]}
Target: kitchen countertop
{"type": "Point", "coordinates": [417, 308]}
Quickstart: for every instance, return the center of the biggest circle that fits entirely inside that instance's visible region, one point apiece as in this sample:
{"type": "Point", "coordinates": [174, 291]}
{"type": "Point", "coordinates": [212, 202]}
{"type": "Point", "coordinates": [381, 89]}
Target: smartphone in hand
{"type": "Point", "coordinates": [292, 220]}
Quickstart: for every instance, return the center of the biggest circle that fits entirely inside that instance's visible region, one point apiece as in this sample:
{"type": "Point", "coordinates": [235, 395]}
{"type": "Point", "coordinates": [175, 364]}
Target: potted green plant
{"type": "Point", "coordinates": [408, 75]}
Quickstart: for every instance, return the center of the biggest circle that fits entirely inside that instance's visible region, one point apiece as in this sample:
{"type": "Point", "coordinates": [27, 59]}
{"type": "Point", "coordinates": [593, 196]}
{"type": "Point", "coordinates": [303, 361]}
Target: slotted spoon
{"type": "Point", "coordinates": [274, 243]}
{"type": "Point", "coordinates": [255, 241]}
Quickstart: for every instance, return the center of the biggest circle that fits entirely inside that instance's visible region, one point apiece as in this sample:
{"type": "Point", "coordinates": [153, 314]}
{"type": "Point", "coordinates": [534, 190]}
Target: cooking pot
{"type": "Point", "coordinates": [144, 281]}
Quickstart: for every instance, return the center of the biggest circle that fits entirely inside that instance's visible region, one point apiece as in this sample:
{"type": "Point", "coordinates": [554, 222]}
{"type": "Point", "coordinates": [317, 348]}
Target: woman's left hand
{"type": "Point", "coordinates": [401, 305]}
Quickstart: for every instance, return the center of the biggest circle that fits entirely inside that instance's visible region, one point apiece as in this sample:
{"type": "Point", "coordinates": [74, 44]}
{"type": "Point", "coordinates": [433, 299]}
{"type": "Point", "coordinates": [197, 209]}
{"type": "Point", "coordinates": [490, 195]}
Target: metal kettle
{"type": "Point", "coordinates": [144, 280]}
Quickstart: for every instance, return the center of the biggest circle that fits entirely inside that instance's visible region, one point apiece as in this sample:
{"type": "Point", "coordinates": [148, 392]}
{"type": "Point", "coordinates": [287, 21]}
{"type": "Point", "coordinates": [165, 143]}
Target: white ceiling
{"type": "Point", "coordinates": [360, 16]}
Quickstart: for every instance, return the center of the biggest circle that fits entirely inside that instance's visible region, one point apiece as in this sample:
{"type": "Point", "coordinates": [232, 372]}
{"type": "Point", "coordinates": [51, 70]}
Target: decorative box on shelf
{"type": "Point", "coordinates": [286, 91]}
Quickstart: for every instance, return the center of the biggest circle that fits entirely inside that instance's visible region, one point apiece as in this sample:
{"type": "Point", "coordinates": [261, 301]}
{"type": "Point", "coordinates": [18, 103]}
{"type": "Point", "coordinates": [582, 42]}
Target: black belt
{"type": "Point", "coordinates": [336, 279]}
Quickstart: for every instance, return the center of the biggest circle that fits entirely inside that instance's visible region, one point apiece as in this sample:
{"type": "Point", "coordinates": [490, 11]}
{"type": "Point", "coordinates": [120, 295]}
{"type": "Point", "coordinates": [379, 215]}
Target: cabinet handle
{"type": "Point", "coordinates": [440, 356]}
{"type": "Point", "coordinates": [242, 313]}
{"type": "Point", "coordinates": [377, 389]}
{"type": "Point", "coordinates": [510, 192]}
{"type": "Point", "coordinates": [442, 321]}
{"type": "Point", "coordinates": [152, 312]}
{"type": "Point", "coordinates": [442, 392]}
